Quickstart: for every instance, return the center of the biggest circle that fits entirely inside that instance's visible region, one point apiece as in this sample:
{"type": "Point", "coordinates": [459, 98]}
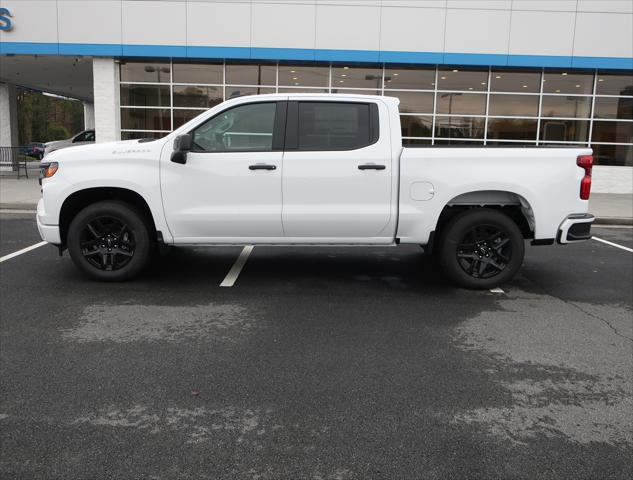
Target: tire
{"type": "Point", "coordinates": [481, 248]}
{"type": "Point", "coordinates": [110, 241]}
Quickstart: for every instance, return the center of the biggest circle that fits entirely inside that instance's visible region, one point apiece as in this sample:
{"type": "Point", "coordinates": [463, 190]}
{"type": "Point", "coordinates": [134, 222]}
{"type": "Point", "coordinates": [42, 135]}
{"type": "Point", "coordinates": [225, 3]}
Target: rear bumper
{"type": "Point", "coordinates": [575, 228]}
{"type": "Point", "coordinates": [49, 233]}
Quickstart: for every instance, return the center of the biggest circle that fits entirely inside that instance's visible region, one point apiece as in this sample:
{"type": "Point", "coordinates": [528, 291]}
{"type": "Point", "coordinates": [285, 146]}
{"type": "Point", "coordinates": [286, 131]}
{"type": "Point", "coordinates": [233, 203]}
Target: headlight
{"type": "Point", "coordinates": [48, 170]}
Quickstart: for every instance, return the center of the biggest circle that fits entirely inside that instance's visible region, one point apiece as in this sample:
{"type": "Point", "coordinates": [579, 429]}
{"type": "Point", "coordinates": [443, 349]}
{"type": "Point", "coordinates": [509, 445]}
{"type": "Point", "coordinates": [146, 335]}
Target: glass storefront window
{"type": "Point", "coordinates": [355, 92]}
{"type": "Point", "coordinates": [154, 72]}
{"type": "Point", "coordinates": [616, 132]}
{"type": "Point", "coordinates": [139, 135]}
{"type": "Point", "coordinates": [349, 77]}
{"type": "Point", "coordinates": [410, 78]}
{"type": "Point", "coordinates": [566, 82]}
{"type": "Point", "coordinates": [566, 106]}
{"type": "Point", "coordinates": [507, 143]}
{"type": "Point", "coordinates": [197, 96]}
{"type": "Point", "coordinates": [613, 107]}
{"type": "Point", "coordinates": [156, 93]}
{"type": "Point", "coordinates": [202, 73]}
{"type": "Point", "coordinates": [458, 79]}
{"type": "Point", "coordinates": [182, 116]}
{"type": "Point", "coordinates": [414, 102]}
{"type": "Point", "coordinates": [614, 84]}
{"type": "Point", "coordinates": [564, 130]}
{"type": "Point", "coordinates": [411, 142]}
{"type": "Point", "coordinates": [513, 105]}
{"type": "Point", "coordinates": [512, 129]}
{"type": "Point", "coordinates": [251, 74]}
{"type": "Point", "coordinates": [620, 155]}
{"type": "Point", "coordinates": [416, 126]}
{"type": "Point", "coordinates": [302, 90]}
{"type": "Point", "coordinates": [459, 127]}
{"type": "Point", "coordinates": [453, 141]}
{"type": "Point", "coordinates": [461, 103]}
{"type": "Point", "coordinates": [303, 76]}
{"type": "Point", "coordinates": [515, 81]}
{"type": "Point", "coordinates": [232, 92]}
{"type": "Point", "coordinates": [145, 95]}
{"type": "Point", "coordinates": [145, 119]}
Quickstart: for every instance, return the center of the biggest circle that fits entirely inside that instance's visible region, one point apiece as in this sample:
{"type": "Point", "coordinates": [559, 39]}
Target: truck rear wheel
{"type": "Point", "coordinates": [110, 241]}
{"type": "Point", "coordinates": [481, 248]}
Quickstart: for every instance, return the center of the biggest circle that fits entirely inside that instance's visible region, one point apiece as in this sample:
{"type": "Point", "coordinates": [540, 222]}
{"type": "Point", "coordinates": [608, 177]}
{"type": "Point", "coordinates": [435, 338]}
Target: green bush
{"type": "Point", "coordinates": [56, 132]}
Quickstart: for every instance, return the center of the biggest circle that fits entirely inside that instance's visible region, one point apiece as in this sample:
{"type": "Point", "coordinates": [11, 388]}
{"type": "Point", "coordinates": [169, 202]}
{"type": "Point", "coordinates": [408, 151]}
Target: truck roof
{"type": "Point", "coordinates": [328, 96]}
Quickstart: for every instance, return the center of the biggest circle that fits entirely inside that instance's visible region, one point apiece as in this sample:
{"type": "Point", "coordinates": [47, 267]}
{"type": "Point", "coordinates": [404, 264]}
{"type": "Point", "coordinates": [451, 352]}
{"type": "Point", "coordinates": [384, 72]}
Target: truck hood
{"type": "Point", "coordinates": [100, 152]}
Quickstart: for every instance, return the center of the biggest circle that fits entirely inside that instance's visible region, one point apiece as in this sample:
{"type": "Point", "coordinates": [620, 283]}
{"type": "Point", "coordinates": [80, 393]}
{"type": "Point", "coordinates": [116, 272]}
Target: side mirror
{"type": "Point", "coordinates": [182, 145]}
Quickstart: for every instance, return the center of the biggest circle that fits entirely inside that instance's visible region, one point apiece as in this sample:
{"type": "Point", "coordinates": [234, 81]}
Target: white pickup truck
{"type": "Point", "coordinates": [311, 169]}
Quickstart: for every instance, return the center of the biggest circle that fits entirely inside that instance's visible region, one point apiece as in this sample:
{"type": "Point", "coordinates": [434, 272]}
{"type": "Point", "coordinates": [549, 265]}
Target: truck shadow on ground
{"type": "Point", "coordinates": [306, 267]}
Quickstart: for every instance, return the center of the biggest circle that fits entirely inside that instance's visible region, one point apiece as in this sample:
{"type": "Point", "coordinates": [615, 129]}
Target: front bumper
{"type": "Point", "coordinates": [49, 233]}
{"type": "Point", "coordinates": [575, 228]}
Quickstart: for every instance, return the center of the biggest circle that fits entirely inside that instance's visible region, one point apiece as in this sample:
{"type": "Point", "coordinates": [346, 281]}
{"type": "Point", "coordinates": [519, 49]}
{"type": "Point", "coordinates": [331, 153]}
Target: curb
{"type": "Point", "coordinates": [613, 221]}
{"type": "Point", "coordinates": [32, 207]}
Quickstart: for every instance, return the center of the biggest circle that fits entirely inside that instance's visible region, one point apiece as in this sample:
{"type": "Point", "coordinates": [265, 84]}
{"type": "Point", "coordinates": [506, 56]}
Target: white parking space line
{"type": "Point", "coordinates": [20, 252]}
{"type": "Point", "coordinates": [616, 245]}
{"type": "Point", "coordinates": [231, 277]}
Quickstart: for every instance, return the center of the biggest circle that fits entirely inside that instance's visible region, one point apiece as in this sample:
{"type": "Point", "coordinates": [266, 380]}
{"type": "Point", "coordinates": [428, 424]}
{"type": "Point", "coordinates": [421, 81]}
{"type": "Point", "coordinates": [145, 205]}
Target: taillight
{"type": "Point", "coordinates": [586, 162]}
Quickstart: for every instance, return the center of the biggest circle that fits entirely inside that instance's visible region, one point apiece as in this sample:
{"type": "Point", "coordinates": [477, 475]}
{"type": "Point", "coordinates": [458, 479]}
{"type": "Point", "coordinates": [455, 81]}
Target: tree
{"type": "Point", "coordinates": [43, 118]}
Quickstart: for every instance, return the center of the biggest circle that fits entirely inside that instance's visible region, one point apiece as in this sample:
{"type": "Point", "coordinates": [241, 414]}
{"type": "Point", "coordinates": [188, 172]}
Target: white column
{"type": "Point", "coordinates": [107, 115]}
{"type": "Point", "coordinates": [8, 115]}
{"type": "Point", "coordinates": [89, 115]}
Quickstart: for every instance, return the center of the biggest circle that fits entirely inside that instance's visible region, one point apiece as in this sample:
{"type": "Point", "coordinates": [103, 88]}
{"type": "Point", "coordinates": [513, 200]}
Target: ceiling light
{"type": "Point", "coordinates": [524, 86]}
{"type": "Point", "coordinates": [470, 88]}
{"type": "Point", "coordinates": [343, 75]}
{"type": "Point", "coordinates": [483, 83]}
{"type": "Point", "coordinates": [341, 81]}
{"type": "Point", "coordinates": [296, 83]}
{"type": "Point", "coordinates": [293, 71]}
{"type": "Point", "coordinates": [498, 76]}
{"type": "Point", "coordinates": [601, 79]}
{"type": "Point", "coordinates": [346, 68]}
{"type": "Point", "coordinates": [396, 74]}
{"type": "Point", "coordinates": [577, 86]}
{"type": "Point", "coordinates": [455, 71]}
{"type": "Point", "coordinates": [557, 91]}
{"type": "Point", "coordinates": [443, 78]}
{"type": "Point", "coordinates": [433, 83]}
{"type": "Point", "coordinates": [564, 74]}
{"type": "Point", "coordinates": [295, 78]}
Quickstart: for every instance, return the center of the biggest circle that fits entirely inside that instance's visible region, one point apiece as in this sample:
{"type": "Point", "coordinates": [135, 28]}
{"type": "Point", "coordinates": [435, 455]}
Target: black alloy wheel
{"type": "Point", "coordinates": [107, 243]}
{"type": "Point", "coordinates": [484, 251]}
{"type": "Point", "coordinates": [110, 240]}
{"type": "Point", "coordinates": [481, 248]}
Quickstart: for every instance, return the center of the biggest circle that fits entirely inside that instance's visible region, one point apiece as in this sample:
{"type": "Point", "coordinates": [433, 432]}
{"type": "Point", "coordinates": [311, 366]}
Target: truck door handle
{"type": "Point", "coordinates": [262, 166]}
{"type": "Point", "coordinates": [371, 166]}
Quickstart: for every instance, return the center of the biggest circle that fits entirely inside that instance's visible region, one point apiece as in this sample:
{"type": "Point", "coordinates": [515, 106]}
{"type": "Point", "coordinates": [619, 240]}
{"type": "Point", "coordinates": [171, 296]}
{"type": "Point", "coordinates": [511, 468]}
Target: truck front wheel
{"type": "Point", "coordinates": [481, 248]}
{"type": "Point", "coordinates": [109, 240]}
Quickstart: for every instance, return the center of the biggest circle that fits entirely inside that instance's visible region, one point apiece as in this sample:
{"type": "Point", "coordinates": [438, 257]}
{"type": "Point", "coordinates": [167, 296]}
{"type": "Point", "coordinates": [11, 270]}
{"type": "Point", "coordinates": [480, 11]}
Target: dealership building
{"type": "Point", "coordinates": [467, 72]}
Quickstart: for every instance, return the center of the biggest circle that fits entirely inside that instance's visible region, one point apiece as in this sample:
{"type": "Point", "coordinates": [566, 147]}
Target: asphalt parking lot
{"type": "Point", "coordinates": [319, 363]}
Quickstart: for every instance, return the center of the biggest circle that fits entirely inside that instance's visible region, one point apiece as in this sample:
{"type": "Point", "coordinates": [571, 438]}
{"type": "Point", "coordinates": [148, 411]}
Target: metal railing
{"type": "Point", "coordinates": [13, 158]}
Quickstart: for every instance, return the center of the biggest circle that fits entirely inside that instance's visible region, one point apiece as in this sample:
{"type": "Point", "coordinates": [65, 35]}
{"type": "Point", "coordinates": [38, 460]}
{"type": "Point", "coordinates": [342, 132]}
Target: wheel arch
{"type": "Point", "coordinates": [516, 206]}
{"type": "Point", "coordinates": [80, 199]}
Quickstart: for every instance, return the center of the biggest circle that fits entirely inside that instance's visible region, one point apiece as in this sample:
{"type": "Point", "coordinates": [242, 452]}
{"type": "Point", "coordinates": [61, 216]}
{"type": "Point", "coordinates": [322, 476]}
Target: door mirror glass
{"type": "Point", "coordinates": [182, 145]}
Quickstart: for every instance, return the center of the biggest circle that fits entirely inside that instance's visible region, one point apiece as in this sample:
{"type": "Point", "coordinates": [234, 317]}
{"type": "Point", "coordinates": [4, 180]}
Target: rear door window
{"type": "Point", "coordinates": [335, 125]}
